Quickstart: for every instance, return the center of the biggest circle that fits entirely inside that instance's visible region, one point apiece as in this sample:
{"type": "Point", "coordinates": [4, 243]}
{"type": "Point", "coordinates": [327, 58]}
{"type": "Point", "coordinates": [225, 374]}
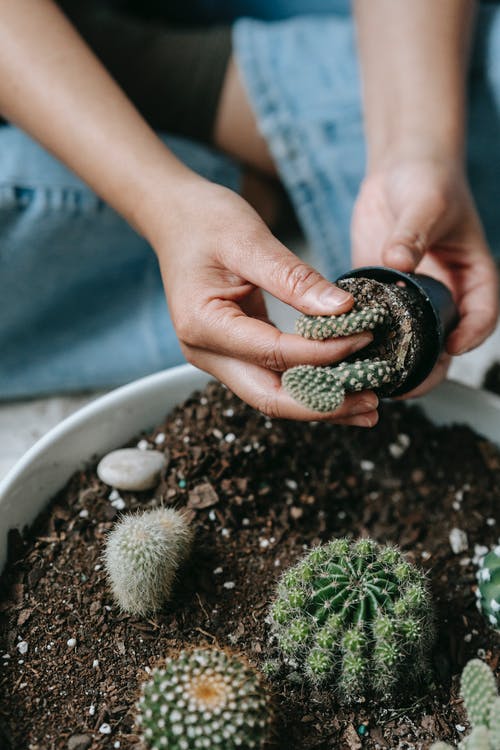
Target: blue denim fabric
{"type": "Point", "coordinates": [303, 80]}
{"type": "Point", "coordinates": [81, 299]}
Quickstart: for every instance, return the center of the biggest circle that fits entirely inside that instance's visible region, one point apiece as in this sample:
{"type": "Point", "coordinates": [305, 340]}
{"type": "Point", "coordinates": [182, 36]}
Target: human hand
{"type": "Point", "coordinates": [418, 214]}
{"type": "Point", "coordinates": [216, 255]}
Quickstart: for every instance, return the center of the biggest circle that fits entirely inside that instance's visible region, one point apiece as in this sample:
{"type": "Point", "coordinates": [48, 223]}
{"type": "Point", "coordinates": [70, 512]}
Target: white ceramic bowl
{"type": "Point", "coordinates": [112, 420]}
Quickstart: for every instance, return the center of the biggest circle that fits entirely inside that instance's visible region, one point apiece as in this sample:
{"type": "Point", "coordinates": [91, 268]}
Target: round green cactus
{"type": "Point", "coordinates": [488, 590]}
{"type": "Point", "coordinates": [357, 320]}
{"type": "Point", "coordinates": [324, 388]}
{"type": "Point", "coordinates": [142, 555]}
{"type": "Point", "coordinates": [204, 698]}
{"type": "Point", "coordinates": [357, 615]}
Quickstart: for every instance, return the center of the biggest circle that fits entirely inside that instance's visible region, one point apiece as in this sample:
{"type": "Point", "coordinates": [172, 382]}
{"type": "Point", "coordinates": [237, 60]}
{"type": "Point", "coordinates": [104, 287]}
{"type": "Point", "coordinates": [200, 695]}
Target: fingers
{"type": "Point", "coordinates": [271, 266]}
{"type": "Point", "coordinates": [478, 309]}
{"type": "Point", "coordinates": [226, 330]}
{"type": "Point", "coordinates": [414, 231]}
{"type": "Point", "coordinates": [262, 390]}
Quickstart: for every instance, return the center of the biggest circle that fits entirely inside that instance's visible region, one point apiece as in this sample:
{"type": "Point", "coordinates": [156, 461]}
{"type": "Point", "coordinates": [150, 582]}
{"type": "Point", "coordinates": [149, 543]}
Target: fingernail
{"type": "Point", "coordinates": [404, 255]}
{"type": "Point", "coordinates": [333, 298]}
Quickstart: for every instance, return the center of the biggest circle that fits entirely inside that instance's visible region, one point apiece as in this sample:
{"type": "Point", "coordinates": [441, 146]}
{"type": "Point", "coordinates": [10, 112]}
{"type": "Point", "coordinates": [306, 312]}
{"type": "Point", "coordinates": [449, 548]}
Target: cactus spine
{"type": "Point", "coordinates": [355, 614]}
{"type": "Point", "coordinates": [142, 555]}
{"type": "Point", "coordinates": [488, 590]}
{"type": "Point", "coordinates": [482, 702]}
{"type": "Point", "coordinates": [324, 388]}
{"type": "Point", "coordinates": [204, 698]}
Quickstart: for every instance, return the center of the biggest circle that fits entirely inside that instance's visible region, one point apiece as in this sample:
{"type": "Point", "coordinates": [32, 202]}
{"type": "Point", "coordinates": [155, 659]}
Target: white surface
{"type": "Point", "coordinates": [114, 418]}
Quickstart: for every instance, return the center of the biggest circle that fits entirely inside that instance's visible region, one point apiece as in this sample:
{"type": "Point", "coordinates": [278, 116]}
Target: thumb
{"type": "Point", "coordinates": [414, 232]}
{"type": "Point", "coordinates": [271, 266]}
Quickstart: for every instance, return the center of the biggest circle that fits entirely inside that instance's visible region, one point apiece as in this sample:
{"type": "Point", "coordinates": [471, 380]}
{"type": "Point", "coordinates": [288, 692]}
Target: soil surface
{"type": "Point", "coordinates": [259, 492]}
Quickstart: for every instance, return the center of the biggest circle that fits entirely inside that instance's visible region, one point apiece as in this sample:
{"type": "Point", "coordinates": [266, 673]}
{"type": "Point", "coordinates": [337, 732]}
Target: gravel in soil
{"type": "Point", "coordinates": [259, 492]}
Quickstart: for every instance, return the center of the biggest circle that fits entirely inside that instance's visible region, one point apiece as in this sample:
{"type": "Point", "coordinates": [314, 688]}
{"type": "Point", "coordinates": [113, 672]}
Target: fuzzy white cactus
{"type": "Point", "coordinates": [204, 698]}
{"type": "Point", "coordinates": [142, 555]}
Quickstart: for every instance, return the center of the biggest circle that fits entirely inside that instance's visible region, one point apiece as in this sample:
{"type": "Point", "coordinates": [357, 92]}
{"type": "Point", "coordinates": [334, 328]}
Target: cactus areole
{"type": "Point", "coordinates": [355, 615]}
{"type": "Point", "coordinates": [410, 316]}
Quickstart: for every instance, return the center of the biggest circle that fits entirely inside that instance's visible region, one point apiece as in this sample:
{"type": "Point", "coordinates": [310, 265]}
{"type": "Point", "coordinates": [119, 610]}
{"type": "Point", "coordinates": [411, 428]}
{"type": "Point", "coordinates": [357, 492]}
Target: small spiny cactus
{"type": "Point", "coordinates": [142, 555]}
{"type": "Point", "coordinates": [324, 388]}
{"type": "Point", "coordinates": [205, 698]}
{"type": "Point", "coordinates": [482, 702]}
{"type": "Point", "coordinates": [357, 320]}
{"type": "Point", "coordinates": [488, 590]}
{"type": "Point", "coordinates": [355, 614]}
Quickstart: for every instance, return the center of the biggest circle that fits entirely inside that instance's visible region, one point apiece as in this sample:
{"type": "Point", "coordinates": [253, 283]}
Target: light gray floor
{"type": "Point", "coordinates": [23, 423]}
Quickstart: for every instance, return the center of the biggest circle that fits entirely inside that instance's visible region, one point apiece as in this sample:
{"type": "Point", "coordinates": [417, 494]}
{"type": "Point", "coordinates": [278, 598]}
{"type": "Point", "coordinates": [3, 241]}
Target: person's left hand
{"type": "Point", "coordinates": [418, 214]}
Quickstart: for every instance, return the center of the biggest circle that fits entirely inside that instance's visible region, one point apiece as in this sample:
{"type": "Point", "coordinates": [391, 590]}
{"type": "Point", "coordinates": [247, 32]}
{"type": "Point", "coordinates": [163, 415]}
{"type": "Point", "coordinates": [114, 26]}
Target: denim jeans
{"type": "Point", "coordinates": [81, 301]}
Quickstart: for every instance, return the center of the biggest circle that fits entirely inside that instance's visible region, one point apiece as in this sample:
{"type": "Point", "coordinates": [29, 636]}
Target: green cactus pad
{"type": "Point", "coordinates": [488, 590]}
{"type": "Point", "coordinates": [357, 320]}
{"type": "Point", "coordinates": [479, 690]}
{"type": "Point", "coordinates": [324, 388]}
{"type": "Point", "coordinates": [204, 698]}
{"type": "Point", "coordinates": [356, 615]}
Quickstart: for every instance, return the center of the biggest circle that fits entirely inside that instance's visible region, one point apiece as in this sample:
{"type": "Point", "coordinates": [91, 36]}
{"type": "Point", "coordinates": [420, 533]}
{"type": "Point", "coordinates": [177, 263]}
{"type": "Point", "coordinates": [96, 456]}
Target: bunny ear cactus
{"type": "Point", "coordinates": [355, 614]}
{"type": "Point", "coordinates": [204, 698]}
{"type": "Point", "coordinates": [142, 555]}
{"type": "Point", "coordinates": [488, 590]}
{"type": "Point", "coordinates": [324, 388]}
{"type": "Point", "coordinates": [482, 702]}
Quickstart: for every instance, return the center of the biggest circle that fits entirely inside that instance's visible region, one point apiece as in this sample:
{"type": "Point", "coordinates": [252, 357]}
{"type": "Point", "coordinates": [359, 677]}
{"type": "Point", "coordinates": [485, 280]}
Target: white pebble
{"type": "Point", "coordinates": [460, 727]}
{"type": "Point", "coordinates": [97, 566]}
{"type": "Point", "coordinates": [229, 584]}
{"type": "Point", "coordinates": [396, 450]}
{"type": "Point", "coordinates": [113, 495]}
{"type": "Point", "coordinates": [455, 505]}
{"type": "Point", "coordinates": [84, 513]}
{"type": "Point", "coordinates": [117, 743]}
{"type": "Point", "coordinates": [119, 503]}
{"type": "Point", "coordinates": [404, 440]}
{"type": "Point", "coordinates": [6, 656]}
{"type": "Point", "coordinates": [203, 401]}
{"type": "Point", "coordinates": [247, 448]}
{"type": "Point", "coordinates": [458, 541]}
{"type": "Point", "coordinates": [425, 554]}
{"type": "Point", "coordinates": [105, 729]}
{"type": "Point", "coordinates": [92, 710]}
{"type": "Point", "coordinates": [291, 484]}
{"type": "Point", "coordinates": [212, 515]}
{"type": "Point", "coordinates": [225, 532]}
{"type": "Point", "coordinates": [217, 434]}
{"type": "Point", "coordinates": [131, 469]}
{"type": "Point", "coordinates": [263, 543]}
{"type": "Point", "coordinates": [268, 425]}
{"type": "Point", "coordinates": [245, 522]}
{"type": "Point", "coordinates": [95, 663]}
{"type": "Point", "coordinates": [491, 521]}
{"type": "Point", "coordinates": [143, 445]}
{"type": "Point", "coordinates": [367, 465]}
{"type": "Point", "coordinates": [22, 647]}
{"type": "Point", "coordinates": [341, 514]}
{"type": "Point", "coordinates": [230, 437]}
{"type": "Point", "coordinates": [468, 637]}
{"type": "Point", "coordinates": [71, 642]}
{"type": "Point", "coordinates": [160, 438]}
{"type": "Point", "coordinates": [228, 412]}
{"type": "Point", "coordinates": [217, 571]}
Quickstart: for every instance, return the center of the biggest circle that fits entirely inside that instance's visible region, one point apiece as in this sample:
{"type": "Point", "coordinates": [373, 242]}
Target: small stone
{"type": "Point", "coordinates": [245, 522]}
{"type": "Point", "coordinates": [71, 642]}
{"type": "Point", "coordinates": [92, 710]}
{"type": "Point", "coordinates": [291, 484]}
{"type": "Point", "coordinates": [217, 571]}
{"type": "Point", "coordinates": [95, 663]}
{"type": "Point", "coordinates": [296, 512]}
{"type": "Point", "coordinates": [119, 503]}
{"type": "Point", "coordinates": [458, 541]}
{"type": "Point", "coordinates": [84, 513]}
{"type": "Point", "coordinates": [143, 445]}
{"type": "Point", "coordinates": [79, 742]}
{"type": "Point", "coordinates": [460, 727]}
{"type": "Point", "coordinates": [22, 647]}
{"type": "Point", "coordinates": [217, 434]}
{"type": "Point", "coordinates": [367, 465]}
{"type": "Point", "coordinates": [396, 450]}
{"type": "Point", "coordinates": [229, 584]}
{"type": "Point", "coordinates": [230, 437]}
{"type": "Point", "coordinates": [491, 521]}
{"type": "Point", "coordinates": [131, 469]}
{"type": "Point", "coordinates": [225, 532]}
{"type": "Point", "coordinates": [468, 637]}
{"type": "Point", "coordinates": [202, 496]}
{"type": "Point", "coordinates": [263, 543]}
{"type": "Point", "coordinates": [160, 438]}
{"type": "Point", "coordinates": [105, 729]}
{"type": "Point", "coordinates": [228, 412]}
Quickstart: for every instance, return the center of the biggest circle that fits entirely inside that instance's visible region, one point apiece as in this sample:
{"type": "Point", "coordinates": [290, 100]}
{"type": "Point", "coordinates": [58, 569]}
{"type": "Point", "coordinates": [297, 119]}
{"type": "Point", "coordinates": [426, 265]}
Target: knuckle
{"type": "Point", "coordinates": [300, 278]}
{"type": "Point", "coordinates": [267, 404]}
{"type": "Point", "coordinates": [186, 329]}
{"type": "Point", "coordinates": [274, 358]}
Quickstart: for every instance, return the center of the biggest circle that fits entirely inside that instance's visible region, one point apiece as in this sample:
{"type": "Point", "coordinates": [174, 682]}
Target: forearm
{"type": "Point", "coordinates": [413, 57]}
{"type": "Point", "coordinates": [53, 87]}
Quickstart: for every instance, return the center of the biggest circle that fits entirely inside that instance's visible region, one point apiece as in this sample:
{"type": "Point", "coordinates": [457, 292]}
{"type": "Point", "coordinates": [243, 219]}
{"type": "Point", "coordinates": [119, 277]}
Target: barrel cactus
{"type": "Point", "coordinates": [356, 615]}
{"type": "Point", "coordinates": [204, 698]}
{"type": "Point", "coordinates": [482, 702]}
{"type": "Point", "coordinates": [488, 590]}
{"type": "Point", "coordinates": [324, 388]}
{"type": "Point", "coordinates": [142, 555]}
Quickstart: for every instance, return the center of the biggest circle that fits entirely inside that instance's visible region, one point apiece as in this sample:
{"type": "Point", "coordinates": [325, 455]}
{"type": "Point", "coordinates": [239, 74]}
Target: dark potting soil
{"type": "Point", "coordinates": [492, 378]}
{"type": "Point", "coordinates": [258, 492]}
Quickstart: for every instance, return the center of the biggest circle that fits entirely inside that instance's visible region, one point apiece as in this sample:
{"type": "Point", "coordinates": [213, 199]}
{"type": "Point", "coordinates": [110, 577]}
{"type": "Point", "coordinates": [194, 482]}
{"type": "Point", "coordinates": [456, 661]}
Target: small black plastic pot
{"type": "Point", "coordinates": [440, 315]}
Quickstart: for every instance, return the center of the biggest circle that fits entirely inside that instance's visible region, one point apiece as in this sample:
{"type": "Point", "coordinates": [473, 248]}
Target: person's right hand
{"type": "Point", "coordinates": [216, 255]}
